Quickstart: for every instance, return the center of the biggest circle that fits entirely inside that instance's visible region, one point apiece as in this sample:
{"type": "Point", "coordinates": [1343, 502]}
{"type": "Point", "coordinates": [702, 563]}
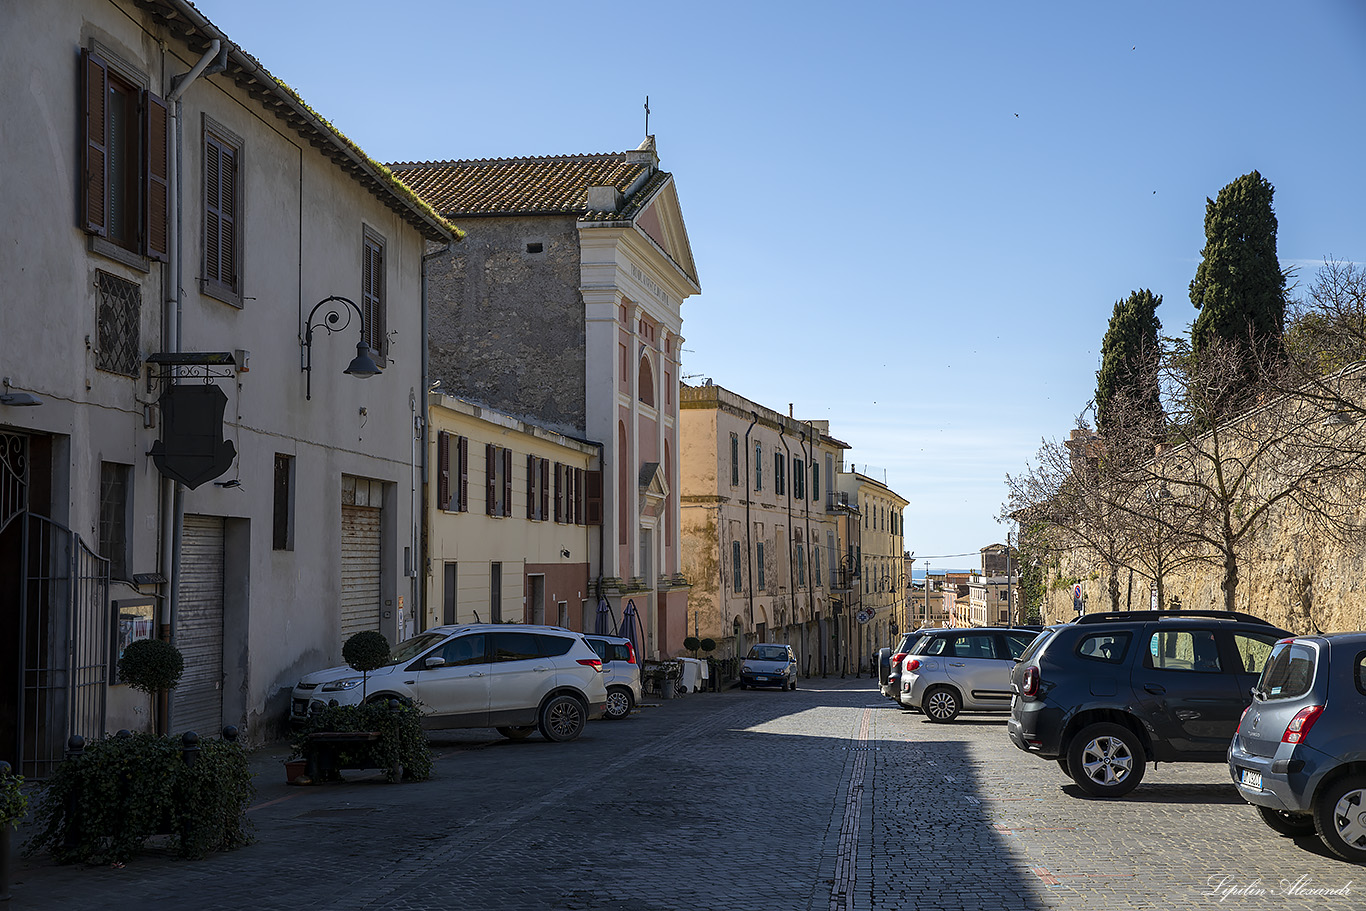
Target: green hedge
{"type": "Point", "coordinates": [105, 804]}
{"type": "Point", "coordinates": [402, 741]}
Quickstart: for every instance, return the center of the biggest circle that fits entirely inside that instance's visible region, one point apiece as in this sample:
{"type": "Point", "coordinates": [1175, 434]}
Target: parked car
{"type": "Point", "coordinates": [769, 664]}
{"type": "Point", "coordinates": [516, 679]}
{"type": "Point", "coordinates": [955, 670]}
{"type": "Point", "coordinates": [1108, 693]}
{"type": "Point", "coordinates": [619, 663]}
{"type": "Point", "coordinates": [884, 667]}
{"type": "Point", "coordinates": [1299, 755]}
{"type": "Point", "coordinates": [892, 686]}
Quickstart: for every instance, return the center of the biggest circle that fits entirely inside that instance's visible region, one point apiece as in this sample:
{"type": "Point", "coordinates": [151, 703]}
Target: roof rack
{"type": "Point", "coordinates": [1112, 616]}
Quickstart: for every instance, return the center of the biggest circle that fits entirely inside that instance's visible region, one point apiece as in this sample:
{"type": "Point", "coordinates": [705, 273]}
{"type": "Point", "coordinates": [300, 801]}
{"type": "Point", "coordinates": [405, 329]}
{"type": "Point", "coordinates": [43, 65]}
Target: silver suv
{"type": "Point", "coordinates": [1299, 754]}
{"type": "Point", "coordinates": [516, 679]}
{"type": "Point", "coordinates": [954, 670]}
{"type": "Point", "coordinates": [619, 663]}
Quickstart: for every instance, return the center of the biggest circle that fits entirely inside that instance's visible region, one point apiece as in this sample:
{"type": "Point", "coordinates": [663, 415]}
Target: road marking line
{"type": "Point", "coordinates": [846, 856]}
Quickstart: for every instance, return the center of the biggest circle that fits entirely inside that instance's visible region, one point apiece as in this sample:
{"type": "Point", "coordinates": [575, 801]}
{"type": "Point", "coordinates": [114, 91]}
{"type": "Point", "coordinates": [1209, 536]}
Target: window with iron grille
{"type": "Point", "coordinates": [114, 486]}
{"type": "Point", "coordinates": [120, 312]}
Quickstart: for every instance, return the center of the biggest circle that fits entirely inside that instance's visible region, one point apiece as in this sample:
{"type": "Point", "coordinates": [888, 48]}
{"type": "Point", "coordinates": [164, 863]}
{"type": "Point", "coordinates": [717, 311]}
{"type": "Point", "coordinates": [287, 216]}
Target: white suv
{"type": "Point", "coordinates": [513, 678]}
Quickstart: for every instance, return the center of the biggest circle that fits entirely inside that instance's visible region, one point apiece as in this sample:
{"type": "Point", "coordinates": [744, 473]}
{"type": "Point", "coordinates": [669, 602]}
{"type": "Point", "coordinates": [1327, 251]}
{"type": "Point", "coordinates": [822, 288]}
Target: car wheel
{"type": "Point", "coordinates": [619, 703]}
{"type": "Point", "coordinates": [516, 733]}
{"type": "Point", "coordinates": [1106, 760]}
{"type": "Point", "coordinates": [1340, 817]}
{"type": "Point", "coordinates": [940, 704]}
{"type": "Point", "coordinates": [1291, 824]}
{"type": "Point", "coordinates": [562, 718]}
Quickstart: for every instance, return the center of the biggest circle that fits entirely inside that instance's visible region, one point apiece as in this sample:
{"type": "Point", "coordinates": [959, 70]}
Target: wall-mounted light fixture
{"type": "Point", "coordinates": [564, 552]}
{"type": "Point", "coordinates": [17, 399]}
{"type": "Point", "coordinates": [362, 365]}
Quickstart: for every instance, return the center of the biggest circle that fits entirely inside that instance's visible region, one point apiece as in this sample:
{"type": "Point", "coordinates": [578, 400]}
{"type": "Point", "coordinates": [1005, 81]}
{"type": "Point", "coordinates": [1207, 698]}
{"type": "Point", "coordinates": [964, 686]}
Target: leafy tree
{"type": "Point", "coordinates": [1239, 287]}
{"type": "Point", "coordinates": [1128, 345]}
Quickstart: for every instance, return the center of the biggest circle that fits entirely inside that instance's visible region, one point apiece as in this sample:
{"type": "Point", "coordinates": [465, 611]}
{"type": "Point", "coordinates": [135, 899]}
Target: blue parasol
{"type": "Point", "coordinates": [630, 626]}
{"type": "Point", "coordinates": [603, 625]}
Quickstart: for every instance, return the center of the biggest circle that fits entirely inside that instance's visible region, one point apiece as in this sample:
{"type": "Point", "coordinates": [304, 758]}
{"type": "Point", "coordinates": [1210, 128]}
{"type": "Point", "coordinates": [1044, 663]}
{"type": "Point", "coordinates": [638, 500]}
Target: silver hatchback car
{"type": "Point", "coordinates": [1299, 754]}
{"type": "Point", "coordinates": [961, 670]}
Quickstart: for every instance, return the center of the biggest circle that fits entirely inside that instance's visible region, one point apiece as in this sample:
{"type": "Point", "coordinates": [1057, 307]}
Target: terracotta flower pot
{"type": "Point", "coordinates": [294, 770]}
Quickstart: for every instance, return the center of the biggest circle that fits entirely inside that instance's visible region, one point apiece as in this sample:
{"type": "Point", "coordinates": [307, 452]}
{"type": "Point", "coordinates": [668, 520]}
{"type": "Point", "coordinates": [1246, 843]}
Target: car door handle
{"type": "Point", "coordinates": [1155, 688]}
{"type": "Point", "coordinates": [540, 667]}
{"type": "Point", "coordinates": [957, 664]}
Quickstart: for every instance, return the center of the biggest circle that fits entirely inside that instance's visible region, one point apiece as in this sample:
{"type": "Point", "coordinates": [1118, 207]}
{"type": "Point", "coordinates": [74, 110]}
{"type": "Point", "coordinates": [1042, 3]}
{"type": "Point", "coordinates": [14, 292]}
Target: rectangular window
{"type": "Point", "coordinates": [497, 480]}
{"type": "Point", "coordinates": [759, 563]}
{"type": "Point", "coordinates": [815, 480]}
{"type": "Point", "coordinates": [816, 564]}
{"type": "Point", "coordinates": [779, 481]}
{"type": "Point", "coordinates": [579, 500]}
{"type": "Point", "coordinates": [449, 592]}
{"type": "Point", "coordinates": [537, 488]}
{"type": "Point", "coordinates": [801, 565]}
{"type": "Point", "coordinates": [737, 570]}
{"type": "Point", "coordinates": [282, 514]}
{"type": "Point", "coordinates": [758, 466]}
{"type": "Point", "coordinates": [734, 460]}
{"type": "Point", "coordinates": [222, 214]}
{"type": "Point", "coordinates": [115, 486]}
{"type": "Point", "coordinates": [125, 162]}
{"type": "Point", "coordinates": [120, 316]}
{"type": "Point", "coordinates": [798, 479]}
{"type": "Point", "coordinates": [559, 492]}
{"type": "Point", "coordinates": [374, 322]}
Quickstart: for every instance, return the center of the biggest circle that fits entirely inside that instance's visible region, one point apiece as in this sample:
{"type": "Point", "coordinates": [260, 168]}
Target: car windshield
{"type": "Point", "coordinates": [1289, 672]}
{"type": "Point", "coordinates": [768, 653]}
{"type": "Point", "coordinates": [409, 649]}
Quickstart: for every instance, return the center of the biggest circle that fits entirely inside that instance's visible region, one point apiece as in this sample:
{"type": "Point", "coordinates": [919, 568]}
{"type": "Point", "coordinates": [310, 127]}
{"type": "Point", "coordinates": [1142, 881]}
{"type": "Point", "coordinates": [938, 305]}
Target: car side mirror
{"type": "Point", "coordinates": [435, 661]}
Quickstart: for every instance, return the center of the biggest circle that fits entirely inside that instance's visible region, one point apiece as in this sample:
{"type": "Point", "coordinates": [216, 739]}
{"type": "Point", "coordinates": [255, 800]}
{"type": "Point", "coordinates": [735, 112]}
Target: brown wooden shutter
{"type": "Point", "coordinates": [490, 478]}
{"type": "Point", "coordinates": [372, 296]}
{"type": "Point", "coordinates": [530, 486]}
{"type": "Point", "coordinates": [94, 199]}
{"type": "Point", "coordinates": [578, 496]}
{"type": "Point", "coordinates": [507, 482]}
{"type": "Point", "coordinates": [213, 221]}
{"type": "Point", "coordinates": [559, 498]}
{"type": "Point", "coordinates": [592, 497]}
{"type": "Point", "coordinates": [463, 457]}
{"type": "Point", "coordinates": [545, 488]}
{"type": "Point", "coordinates": [443, 470]}
{"type": "Point", "coordinates": [155, 179]}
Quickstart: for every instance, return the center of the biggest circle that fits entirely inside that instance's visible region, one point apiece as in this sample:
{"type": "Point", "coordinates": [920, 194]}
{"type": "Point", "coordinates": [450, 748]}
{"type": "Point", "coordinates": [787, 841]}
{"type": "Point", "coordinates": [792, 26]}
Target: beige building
{"type": "Point", "coordinates": [884, 576]}
{"type": "Point", "coordinates": [506, 520]}
{"type": "Point", "coordinates": [190, 243]}
{"type": "Point", "coordinates": [1001, 575]}
{"type": "Point", "coordinates": [760, 532]}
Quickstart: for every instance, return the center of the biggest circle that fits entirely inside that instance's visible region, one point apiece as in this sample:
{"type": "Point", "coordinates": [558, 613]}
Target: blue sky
{"type": "Point", "coordinates": [912, 219]}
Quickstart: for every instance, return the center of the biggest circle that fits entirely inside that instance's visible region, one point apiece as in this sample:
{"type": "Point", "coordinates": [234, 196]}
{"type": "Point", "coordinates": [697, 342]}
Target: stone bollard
{"type": "Point", "coordinates": [230, 733]}
{"type": "Point", "coordinates": [189, 747]}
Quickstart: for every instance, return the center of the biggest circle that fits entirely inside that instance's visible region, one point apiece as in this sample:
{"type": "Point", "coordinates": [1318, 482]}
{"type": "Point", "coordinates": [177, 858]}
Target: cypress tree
{"type": "Point", "coordinates": [1128, 357]}
{"type": "Point", "coordinates": [1239, 287]}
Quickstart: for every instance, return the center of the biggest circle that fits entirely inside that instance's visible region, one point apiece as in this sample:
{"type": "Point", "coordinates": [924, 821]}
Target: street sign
{"type": "Point", "coordinates": [1077, 604]}
{"type": "Point", "coordinates": [863, 616]}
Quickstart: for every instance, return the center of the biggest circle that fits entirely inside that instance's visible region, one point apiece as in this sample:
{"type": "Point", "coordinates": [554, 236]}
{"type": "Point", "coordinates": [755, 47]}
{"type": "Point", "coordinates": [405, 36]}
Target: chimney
{"type": "Point", "coordinates": [604, 199]}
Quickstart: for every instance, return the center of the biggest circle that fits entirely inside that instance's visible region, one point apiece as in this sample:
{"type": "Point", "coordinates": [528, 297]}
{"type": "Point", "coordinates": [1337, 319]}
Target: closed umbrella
{"type": "Point", "coordinates": [603, 625]}
{"type": "Point", "coordinates": [630, 626]}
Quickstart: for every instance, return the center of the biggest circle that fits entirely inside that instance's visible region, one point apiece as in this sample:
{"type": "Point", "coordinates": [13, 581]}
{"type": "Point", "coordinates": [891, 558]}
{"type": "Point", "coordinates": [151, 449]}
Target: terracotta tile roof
{"type": "Point", "coordinates": [550, 185]}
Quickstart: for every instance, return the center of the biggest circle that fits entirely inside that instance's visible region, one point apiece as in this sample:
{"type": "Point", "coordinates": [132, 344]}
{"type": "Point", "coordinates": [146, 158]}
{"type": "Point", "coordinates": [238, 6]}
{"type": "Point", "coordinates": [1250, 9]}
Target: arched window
{"type": "Point", "coordinates": [645, 383]}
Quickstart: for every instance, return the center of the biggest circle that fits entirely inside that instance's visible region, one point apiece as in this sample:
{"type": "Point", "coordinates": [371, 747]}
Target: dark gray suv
{"type": "Point", "coordinates": [1109, 693]}
{"type": "Point", "coordinates": [1299, 754]}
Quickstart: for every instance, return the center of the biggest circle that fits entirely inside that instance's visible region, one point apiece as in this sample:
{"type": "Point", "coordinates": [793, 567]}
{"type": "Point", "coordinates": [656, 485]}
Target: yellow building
{"type": "Point", "coordinates": [884, 577]}
{"type": "Point", "coordinates": [507, 516]}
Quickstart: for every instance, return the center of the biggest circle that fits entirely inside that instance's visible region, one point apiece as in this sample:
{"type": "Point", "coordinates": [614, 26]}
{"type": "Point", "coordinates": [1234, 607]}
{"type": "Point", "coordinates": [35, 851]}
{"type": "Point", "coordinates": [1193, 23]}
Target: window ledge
{"type": "Point", "coordinates": [107, 248]}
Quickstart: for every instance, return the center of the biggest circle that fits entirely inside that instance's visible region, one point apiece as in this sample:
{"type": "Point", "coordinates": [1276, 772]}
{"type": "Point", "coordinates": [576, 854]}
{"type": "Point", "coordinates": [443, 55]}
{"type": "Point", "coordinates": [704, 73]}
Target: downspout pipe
{"type": "Point", "coordinates": [810, 547]}
{"type": "Point", "coordinates": [749, 544]}
{"type": "Point", "coordinates": [421, 561]}
{"type": "Point", "coordinates": [791, 575]}
{"type": "Point", "coordinates": [172, 500]}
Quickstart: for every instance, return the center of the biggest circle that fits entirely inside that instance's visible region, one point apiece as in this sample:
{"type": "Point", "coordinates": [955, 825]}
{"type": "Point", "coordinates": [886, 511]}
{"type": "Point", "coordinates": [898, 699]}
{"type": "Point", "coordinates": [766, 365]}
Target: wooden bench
{"type": "Point", "coordinates": [323, 749]}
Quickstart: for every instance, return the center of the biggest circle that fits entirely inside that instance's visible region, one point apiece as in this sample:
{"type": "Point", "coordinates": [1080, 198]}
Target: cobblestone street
{"type": "Point", "coordinates": [827, 798]}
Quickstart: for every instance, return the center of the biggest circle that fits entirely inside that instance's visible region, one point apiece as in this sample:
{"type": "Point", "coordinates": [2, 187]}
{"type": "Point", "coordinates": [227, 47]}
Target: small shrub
{"type": "Point", "coordinates": [151, 665]}
{"type": "Point", "coordinates": [105, 804]}
{"type": "Point", "coordinates": [402, 741]}
{"type": "Point", "coordinates": [692, 643]}
{"type": "Point", "coordinates": [366, 651]}
{"type": "Point", "coordinates": [13, 803]}
{"type": "Point", "coordinates": [708, 645]}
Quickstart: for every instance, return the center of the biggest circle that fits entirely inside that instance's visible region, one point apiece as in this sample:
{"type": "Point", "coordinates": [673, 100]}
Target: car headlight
{"type": "Point", "coordinates": [346, 683]}
{"type": "Point", "coordinates": [746, 669]}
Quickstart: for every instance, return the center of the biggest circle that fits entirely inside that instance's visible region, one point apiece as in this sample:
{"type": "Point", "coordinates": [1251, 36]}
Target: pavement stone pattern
{"type": "Point", "coordinates": [829, 797]}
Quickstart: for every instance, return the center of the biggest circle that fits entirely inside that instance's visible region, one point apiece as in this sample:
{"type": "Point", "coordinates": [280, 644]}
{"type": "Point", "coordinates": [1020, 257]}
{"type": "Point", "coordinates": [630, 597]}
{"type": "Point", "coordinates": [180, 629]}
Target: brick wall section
{"type": "Point", "coordinates": [507, 325]}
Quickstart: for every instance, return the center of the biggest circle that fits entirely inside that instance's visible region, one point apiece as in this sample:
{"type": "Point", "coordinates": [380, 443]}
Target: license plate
{"type": "Point", "coordinates": [765, 679]}
{"type": "Point", "coordinates": [1252, 779]}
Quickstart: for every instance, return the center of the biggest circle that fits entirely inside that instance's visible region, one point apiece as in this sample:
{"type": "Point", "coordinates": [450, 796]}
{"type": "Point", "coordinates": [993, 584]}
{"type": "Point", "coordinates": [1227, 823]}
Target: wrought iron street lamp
{"type": "Point", "coordinates": [362, 366]}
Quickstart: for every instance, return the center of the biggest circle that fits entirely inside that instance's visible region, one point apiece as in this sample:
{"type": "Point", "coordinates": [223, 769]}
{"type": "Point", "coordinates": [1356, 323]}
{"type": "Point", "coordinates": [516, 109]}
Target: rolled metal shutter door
{"type": "Point", "coordinates": [360, 570]}
{"type": "Point", "coordinates": [198, 701]}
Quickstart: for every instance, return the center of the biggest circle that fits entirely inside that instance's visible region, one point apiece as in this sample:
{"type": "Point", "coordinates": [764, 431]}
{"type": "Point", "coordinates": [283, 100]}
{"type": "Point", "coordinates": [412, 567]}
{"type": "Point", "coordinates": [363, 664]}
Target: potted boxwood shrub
{"type": "Point", "coordinates": [154, 667]}
{"type": "Point", "coordinates": [366, 651]}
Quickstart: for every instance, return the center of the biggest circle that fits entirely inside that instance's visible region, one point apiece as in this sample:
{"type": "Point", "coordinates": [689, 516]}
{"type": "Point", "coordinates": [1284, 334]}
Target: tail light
{"type": "Point", "coordinates": [896, 660]}
{"type": "Point", "coordinates": [594, 663]}
{"type": "Point", "coordinates": [913, 664]}
{"type": "Point", "coordinates": [1299, 726]}
{"type": "Point", "coordinates": [630, 652]}
{"type": "Point", "coordinates": [1030, 685]}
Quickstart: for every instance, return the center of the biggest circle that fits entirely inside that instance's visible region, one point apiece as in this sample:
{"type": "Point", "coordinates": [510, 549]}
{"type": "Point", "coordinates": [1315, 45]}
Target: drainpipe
{"type": "Point", "coordinates": [749, 547]}
{"type": "Point", "coordinates": [420, 559]}
{"type": "Point", "coordinates": [810, 548]}
{"type": "Point", "coordinates": [172, 499]}
{"type": "Point", "coordinates": [791, 578]}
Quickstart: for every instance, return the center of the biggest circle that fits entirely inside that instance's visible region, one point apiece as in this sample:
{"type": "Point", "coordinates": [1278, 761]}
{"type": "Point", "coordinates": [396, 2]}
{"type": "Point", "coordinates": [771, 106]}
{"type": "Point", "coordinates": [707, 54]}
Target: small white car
{"type": "Point", "coordinates": [514, 678]}
{"type": "Point", "coordinates": [948, 671]}
{"type": "Point", "coordinates": [769, 664]}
